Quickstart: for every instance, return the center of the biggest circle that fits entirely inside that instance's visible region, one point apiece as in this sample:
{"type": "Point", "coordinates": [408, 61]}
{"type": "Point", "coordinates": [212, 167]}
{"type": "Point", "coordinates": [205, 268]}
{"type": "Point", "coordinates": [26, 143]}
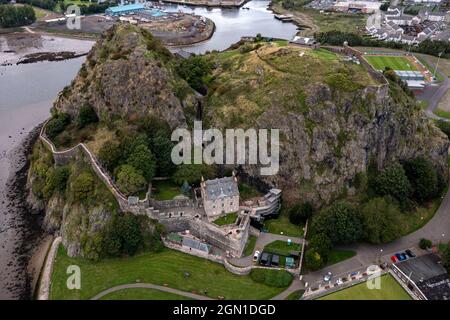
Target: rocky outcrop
{"type": "Point", "coordinates": [129, 74]}
{"type": "Point", "coordinates": [328, 132]}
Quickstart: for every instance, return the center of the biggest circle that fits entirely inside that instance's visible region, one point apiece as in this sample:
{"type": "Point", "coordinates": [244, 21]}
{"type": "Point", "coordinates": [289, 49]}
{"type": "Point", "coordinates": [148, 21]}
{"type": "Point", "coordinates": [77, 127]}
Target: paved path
{"type": "Point", "coordinates": [44, 285]}
{"type": "Point", "coordinates": [263, 240]}
{"type": "Point", "coordinates": [150, 286]}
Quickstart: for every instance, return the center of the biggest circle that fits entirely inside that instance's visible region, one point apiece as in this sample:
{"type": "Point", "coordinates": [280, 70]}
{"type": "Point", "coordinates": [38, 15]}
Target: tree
{"type": "Point", "coordinates": [110, 154]}
{"type": "Point", "coordinates": [83, 186]}
{"type": "Point", "coordinates": [384, 6]}
{"type": "Point", "coordinates": [444, 126]}
{"type": "Point", "coordinates": [56, 180]}
{"type": "Point", "coordinates": [130, 180]}
{"type": "Point", "coordinates": [299, 213]}
{"type": "Point", "coordinates": [313, 259]}
{"type": "Point", "coordinates": [446, 257]}
{"type": "Point", "coordinates": [12, 16]}
{"type": "Point", "coordinates": [57, 124]}
{"type": "Point", "coordinates": [123, 235]}
{"type": "Point", "coordinates": [162, 149]}
{"type": "Point", "coordinates": [321, 243]}
{"type": "Point", "coordinates": [425, 244]}
{"type": "Point", "coordinates": [192, 173]}
{"type": "Point", "coordinates": [392, 181]}
{"type": "Point", "coordinates": [86, 116]}
{"type": "Point", "coordinates": [340, 222]}
{"type": "Point", "coordinates": [423, 178]}
{"type": "Point", "coordinates": [381, 220]}
{"type": "Point", "coordinates": [142, 160]}
{"type": "Point", "coordinates": [195, 70]}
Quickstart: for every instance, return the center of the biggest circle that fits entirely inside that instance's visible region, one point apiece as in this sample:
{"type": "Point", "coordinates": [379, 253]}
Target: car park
{"type": "Point", "coordinates": [256, 256]}
{"type": "Point", "coordinates": [410, 253]}
{"type": "Point", "coordinates": [328, 276]}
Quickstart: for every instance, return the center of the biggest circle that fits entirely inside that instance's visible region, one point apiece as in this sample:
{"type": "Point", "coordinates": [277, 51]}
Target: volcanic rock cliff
{"type": "Point", "coordinates": [332, 115]}
{"type": "Point", "coordinates": [129, 74]}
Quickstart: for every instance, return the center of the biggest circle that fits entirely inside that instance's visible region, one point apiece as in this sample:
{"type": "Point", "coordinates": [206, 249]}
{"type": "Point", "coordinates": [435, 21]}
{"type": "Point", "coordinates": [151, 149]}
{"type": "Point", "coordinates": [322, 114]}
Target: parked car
{"type": "Point", "coordinates": [383, 265]}
{"type": "Point", "coordinates": [256, 256]}
{"type": "Point", "coordinates": [275, 260]}
{"type": "Point", "coordinates": [328, 276]}
{"type": "Point", "coordinates": [394, 259]}
{"type": "Point", "coordinates": [404, 255]}
{"type": "Point", "coordinates": [400, 257]}
{"type": "Point", "coordinates": [264, 258]}
{"type": "Point", "coordinates": [339, 281]}
{"type": "Point", "coordinates": [410, 253]}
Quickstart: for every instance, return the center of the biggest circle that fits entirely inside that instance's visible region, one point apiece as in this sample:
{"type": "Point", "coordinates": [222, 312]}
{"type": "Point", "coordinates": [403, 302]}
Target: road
{"type": "Point", "coordinates": [150, 286]}
{"type": "Point", "coordinates": [437, 230]}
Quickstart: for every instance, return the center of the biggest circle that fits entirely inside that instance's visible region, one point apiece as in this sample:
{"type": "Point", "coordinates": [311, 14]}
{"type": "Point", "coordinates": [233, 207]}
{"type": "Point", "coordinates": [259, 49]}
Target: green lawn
{"type": "Point", "coordinates": [336, 256]}
{"type": "Point", "coordinates": [250, 246]}
{"type": "Point", "coordinates": [390, 290]}
{"type": "Point", "coordinates": [247, 191]}
{"type": "Point", "coordinates": [281, 248]}
{"type": "Point", "coordinates": [228, 219]}
{"type": "Point", "coordinates": [143, 294]}
{"type": "Point", "coordinates": [442, 113]}
{"type": "Point", "coordinates": [165, 190]}
{"type": "Point", "coordinates": [296, 295]}
{"type": "Point", "coordinates": [282, 225]}
{"type": "Point", "coordinates": [166, 267]}
{"type": "Point", "coordinates": [393, 62]}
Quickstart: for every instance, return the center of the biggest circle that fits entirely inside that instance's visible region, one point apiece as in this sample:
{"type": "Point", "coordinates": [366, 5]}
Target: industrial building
{"type": "Point", "coordinates": [125, 9]}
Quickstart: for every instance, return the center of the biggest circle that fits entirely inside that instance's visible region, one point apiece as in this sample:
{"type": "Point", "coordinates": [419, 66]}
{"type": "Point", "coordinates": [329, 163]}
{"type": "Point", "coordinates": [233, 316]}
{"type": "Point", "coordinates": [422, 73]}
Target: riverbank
{"type": "Point", "coordinates": [210, 3]}
{"type": "Point", "coordinates": [20, 225]}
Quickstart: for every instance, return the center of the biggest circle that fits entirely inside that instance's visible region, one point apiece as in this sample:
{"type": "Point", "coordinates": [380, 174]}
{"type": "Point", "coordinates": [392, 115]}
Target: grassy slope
{"type": "Point", "coordinates": [166, 267]}
{"type": "Point", "coordinates": [142, 294]}
{"type": "Point", "coordinates": [339, 255]}
{"type": "Point", "coordinates": [281, 247]}
{"type": "Point", "coordinates": [165, 190]}
{"type": "Point", "coordinates": [390, 290]}
{"type": "Point", "coordinates": [250, 246]}
{"type": "Point", "coordinates": [282, 225]}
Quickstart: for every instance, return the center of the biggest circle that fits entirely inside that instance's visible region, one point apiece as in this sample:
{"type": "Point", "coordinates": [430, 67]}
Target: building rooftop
{"type": "Point", "coordinates": [221, 188]}
{"type": "Point", "coordinates": [429, 275]}
{"type": "Point", "coordinates": [195, 244]}
{"type": "Point", "coordinates": [128, 7]}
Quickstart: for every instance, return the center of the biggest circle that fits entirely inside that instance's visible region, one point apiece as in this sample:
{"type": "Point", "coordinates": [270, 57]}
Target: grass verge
{"type": "Point", "coordinates": [143, 294]}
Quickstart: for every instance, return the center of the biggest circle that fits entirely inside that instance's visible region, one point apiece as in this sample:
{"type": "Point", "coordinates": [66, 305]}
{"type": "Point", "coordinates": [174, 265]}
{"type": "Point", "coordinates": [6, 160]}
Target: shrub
{"type": "Point", "coordinates": [444, 126]}
{"type": "Point", "coordinates": [83, 186]}
{"type": "Point", "coordinates": [86, 116]}
{"type": "Point", "coordinates": [446, 257]}
{"type": "Point", "coordinates": [272, 278]}
{"type": "Point", "coordinates": [192, 173]}
{"type": "Point", "coordinates": [56, 180]}
{"type": "Point", "coordinates": [11, 16]}
{"type": "Point", "coordinates": [57, 124]}
{"type": "Point", "coordinates": [425, 244]}
{"type": "Point", "coordinates": [194, 70]}
{"type": "Point", "coordinates": [322, 244]}
{"type": "Point", "coordinates": [298, 214]}
{"type": "Point", "coordinates": [313, 259]}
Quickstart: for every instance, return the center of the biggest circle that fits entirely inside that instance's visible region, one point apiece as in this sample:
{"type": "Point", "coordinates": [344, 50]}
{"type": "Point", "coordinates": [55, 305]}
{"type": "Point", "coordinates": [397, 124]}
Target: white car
{"type": "Point", "coordinates": [328, 276]}
{"type": "Point", "coordinates": [339, 281]}
{"type": "Point", "coordinates": [256, 256]}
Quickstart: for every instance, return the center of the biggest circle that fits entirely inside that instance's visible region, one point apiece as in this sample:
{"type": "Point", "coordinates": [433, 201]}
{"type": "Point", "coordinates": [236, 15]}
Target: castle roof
{"type": "Point", "coordinates": [221, 188]}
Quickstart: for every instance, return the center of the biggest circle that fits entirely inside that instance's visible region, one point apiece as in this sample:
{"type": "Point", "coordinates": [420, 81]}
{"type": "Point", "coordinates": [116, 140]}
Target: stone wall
{"type": "Point", "coordinates": [175, 203]}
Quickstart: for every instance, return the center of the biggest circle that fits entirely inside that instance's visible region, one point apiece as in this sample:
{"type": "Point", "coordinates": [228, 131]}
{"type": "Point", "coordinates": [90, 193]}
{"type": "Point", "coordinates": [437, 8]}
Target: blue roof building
{"type": "Point", "coordinates": [126, 9]}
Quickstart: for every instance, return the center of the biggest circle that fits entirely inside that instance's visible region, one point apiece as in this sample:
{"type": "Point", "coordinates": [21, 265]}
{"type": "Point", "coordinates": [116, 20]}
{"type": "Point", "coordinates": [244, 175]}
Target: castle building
{"type": "Point", "coordinates": [220, 196]}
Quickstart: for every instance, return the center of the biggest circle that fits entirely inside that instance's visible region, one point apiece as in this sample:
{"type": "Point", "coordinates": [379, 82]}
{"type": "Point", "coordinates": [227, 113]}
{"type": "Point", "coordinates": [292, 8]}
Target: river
{"type": "Point", "coordinates": [27, 92]}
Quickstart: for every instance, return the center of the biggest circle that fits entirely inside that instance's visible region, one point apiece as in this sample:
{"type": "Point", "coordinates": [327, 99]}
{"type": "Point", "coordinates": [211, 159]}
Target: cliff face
{"type": "Point", "coordinates": [129, 74]}
{"type": "Point", "coordinates": [332, 118]}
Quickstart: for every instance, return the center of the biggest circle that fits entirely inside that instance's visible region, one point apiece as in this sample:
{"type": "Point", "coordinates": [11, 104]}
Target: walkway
{"type": "Point", "coordinates": [263, 240]}
{"type": "Point", "coordinates": [44, 284]}
{"type": "Point", "coordinates": [150, 286]}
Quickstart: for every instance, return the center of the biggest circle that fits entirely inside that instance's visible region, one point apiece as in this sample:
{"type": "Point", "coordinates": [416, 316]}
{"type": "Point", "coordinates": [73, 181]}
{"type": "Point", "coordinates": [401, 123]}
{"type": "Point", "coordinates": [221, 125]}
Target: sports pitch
{"type": "Point", "coordinates": [390, 290]}
{"type": "Point", "coordinates": [393, 62]}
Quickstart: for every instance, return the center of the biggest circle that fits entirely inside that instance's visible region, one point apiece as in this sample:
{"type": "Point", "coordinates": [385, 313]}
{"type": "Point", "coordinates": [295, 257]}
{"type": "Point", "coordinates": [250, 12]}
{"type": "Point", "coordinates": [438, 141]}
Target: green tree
{"type": "Point", "coordinates": [299, 213]}
{"type": "Point", "coordinates": [382, 221]}
{"type": "Point", "coordinates": [195, 71]}
{"type": "Point", "coordinates": [123, 236]}
{"type": "Point", "coordinates": [392, 181]}
{"type": "Point", "coordinates": [130, 180]}
{"type": "Point", "coordinates": [83, 186]}
{"type": "Point", "coordinates": [12, 16]}
{"type": "Point", "coordinates": [444, 126]}
{"type": "Point", "coordinates": [313, 260]}
{"type": "Point", "coordinates": [192, 173]}
{"type": "Point", "coordinates": [86, 116]}
{"type": "Point", "coordinates": [425, 244]}
{"type": "Point", "coordinates": [322, 244]}
{"type": "Point", "coordinates": [56, 180]}
{"type": "Point", "coordinates": [446, 257]}
{"type": "Point", "coordinates": [110, 155]}
{"type": "Point", "coordinates": [340, 222]}
{"type": "Point", "coordinates": [423, 178]}
{"type": "Point", "coordinates": [162, 149]}
{"type": "Point", "coordinates": [142, 160]}
{"type": "Point", "coordinates": [57, 124]}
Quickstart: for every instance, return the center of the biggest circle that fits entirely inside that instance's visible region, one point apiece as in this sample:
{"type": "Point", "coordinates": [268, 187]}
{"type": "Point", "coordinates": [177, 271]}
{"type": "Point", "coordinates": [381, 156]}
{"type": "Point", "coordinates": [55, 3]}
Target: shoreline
{"type": "Point", "coordinates": [29, 226]}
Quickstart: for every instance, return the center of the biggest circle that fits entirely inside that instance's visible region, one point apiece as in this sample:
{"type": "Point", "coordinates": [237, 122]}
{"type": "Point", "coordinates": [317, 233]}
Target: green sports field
{"type": "Point", "coordinates": [390, 290]}
{"type": "Point", "coordinates": [395, 63]}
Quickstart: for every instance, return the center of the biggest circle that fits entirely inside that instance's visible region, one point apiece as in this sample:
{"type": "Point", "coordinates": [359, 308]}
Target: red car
{"type": "Point", "coordinates": [394, 259]}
